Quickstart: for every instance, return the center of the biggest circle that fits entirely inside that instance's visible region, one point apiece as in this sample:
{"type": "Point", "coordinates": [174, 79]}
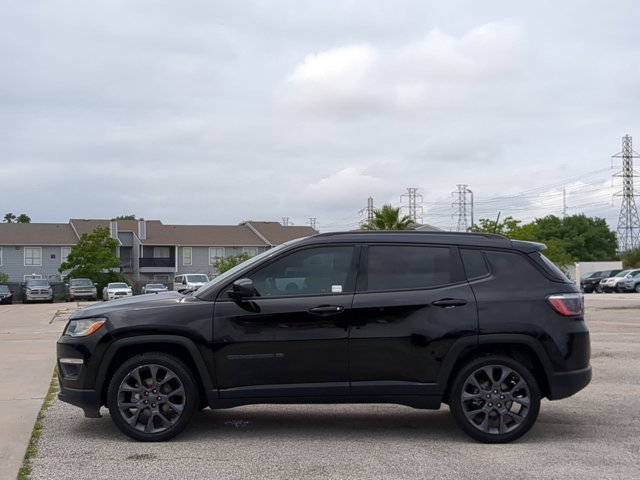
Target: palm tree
{"type": "Point", "coordinates": [388, 218]}
{"type": "Point", "coordinates": [9, 217]}
{"type": "Point", "coordinates": [23, 218]}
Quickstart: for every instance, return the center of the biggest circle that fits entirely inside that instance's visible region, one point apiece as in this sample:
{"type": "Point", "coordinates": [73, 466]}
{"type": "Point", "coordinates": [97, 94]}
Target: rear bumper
{"type": "Point", "coordinates": [565, 384]}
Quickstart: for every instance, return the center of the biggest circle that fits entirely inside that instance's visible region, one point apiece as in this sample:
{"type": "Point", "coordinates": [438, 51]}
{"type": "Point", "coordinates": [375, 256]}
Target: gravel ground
{"type": "Point", "coordinates": [593, 435]}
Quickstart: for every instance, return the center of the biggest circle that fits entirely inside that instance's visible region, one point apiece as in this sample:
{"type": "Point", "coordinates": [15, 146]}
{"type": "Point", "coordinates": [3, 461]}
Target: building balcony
{"type": "Point", "coordinates": [157, 265]}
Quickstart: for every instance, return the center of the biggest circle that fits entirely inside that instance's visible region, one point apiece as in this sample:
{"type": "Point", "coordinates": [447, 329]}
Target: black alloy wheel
{"type": "Point", "coordinates": [152, 397]}
{"type": "Point", "coordinates": [495, 399]}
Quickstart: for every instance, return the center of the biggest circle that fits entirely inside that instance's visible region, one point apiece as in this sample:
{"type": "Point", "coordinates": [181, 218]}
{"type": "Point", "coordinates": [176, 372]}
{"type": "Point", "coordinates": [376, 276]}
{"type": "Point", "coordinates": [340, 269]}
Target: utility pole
{"type": "Point", "coordinates": [628, 222]}
{"type": "Point", "coordinates": [462, 204]}
{"type": "Point", "coordinates": [313, 222]}
{"type": "Point", "coordinates": [564, 203]}
{"type": "Point", "coordinates": [413, 207]}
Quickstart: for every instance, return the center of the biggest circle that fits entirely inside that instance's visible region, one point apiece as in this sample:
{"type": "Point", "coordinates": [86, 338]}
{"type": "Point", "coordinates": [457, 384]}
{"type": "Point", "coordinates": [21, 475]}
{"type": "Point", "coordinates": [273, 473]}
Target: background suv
{"type": "Point", "coordinates": [81, 289]}
{"type": "Point", "coordinates": [37, 290]}
{"type": "Point", "coordinates": [614, 283]}
{"type": "Point", "coordinates": [630, 283]}
{"type": "Point", "coordinates": [591, 281]}
{"type": "Point", "coordinates": [484, 324]}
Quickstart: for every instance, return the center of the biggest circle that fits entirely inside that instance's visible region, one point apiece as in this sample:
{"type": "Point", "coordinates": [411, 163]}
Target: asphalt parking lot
{"type": "Point", "coordinates": [593, 435]}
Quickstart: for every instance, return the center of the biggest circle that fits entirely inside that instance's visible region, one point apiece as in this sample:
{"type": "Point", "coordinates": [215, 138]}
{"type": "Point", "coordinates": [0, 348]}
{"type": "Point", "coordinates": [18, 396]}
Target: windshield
{"type": "Point", "coordinates": [200, 278]}
{"type": "Point", "coordinates": [155, 285]}
{"type": "Point", "coordinates": [590, 274]}
{"type": "Point", "coordinates": [4, 288]}
{"type": "Point", "coordinates": [247, 263]}
{"type": "Point", "coordinates": [38, 283]}
{"type": "Point", "coordinates": [118, 285]}
{"type": "Point", "coordinates": [622, 273]}
{"type": "Point", "coordinates": [81, 282]}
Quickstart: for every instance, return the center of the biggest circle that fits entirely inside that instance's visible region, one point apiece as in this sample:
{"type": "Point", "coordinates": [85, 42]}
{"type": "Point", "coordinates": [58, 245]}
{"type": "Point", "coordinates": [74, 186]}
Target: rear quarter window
{"type": "Point", "coordinates": [514, 269]}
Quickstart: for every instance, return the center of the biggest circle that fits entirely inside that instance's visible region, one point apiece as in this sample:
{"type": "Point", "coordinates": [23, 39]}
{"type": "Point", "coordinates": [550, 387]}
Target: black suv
{"type": "Point", "coordinates": [591, 281]}
{"type": "Point", "coordinates": [482, 323]}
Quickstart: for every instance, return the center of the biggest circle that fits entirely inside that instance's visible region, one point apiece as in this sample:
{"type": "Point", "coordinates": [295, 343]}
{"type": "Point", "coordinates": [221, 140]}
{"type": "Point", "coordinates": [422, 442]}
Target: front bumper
{"type": "Point", "coordinates": [565, 384]}
{"type": "Point", "coordinates": [88, 400]}
{"type": "Point", "coordinates": [34, 297]}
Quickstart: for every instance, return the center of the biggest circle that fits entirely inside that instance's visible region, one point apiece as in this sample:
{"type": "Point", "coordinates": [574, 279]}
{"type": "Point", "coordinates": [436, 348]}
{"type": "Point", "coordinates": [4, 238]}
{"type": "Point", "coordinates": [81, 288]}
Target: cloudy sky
{"type": "Point", "coordinates": [209, 112]}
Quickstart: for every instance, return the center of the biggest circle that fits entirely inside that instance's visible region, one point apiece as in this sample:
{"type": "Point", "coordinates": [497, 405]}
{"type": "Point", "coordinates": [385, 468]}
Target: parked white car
{"type": "Point", "coordinates": [189, 281]}
{"type": "Point", "coordinates": [116, 290]}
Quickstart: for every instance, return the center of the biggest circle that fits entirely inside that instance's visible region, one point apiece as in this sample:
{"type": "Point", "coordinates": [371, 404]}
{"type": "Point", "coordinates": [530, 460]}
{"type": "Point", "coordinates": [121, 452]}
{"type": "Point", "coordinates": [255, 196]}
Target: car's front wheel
{"type": "Point", "coordinates": [495, 399]}
{"type": "Point", "coordinates": [152, 397]}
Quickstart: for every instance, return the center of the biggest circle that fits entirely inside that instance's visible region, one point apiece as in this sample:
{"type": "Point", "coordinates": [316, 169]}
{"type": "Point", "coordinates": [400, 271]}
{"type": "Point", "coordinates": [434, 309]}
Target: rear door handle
{"type": "Point", "coordinates": [449, 302]}
{"type": "Point", "coordinates": [326, 310]}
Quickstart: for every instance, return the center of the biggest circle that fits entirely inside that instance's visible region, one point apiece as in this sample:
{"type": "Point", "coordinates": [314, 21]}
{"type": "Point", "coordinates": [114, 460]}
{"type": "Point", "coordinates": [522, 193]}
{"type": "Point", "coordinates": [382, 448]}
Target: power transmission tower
{"type": "Point", "coordinates": [369, 212]}
{"type": "Point", "coordinates": [285, 221]}
{"type": "Point", "coordinates": [628, 222]}
{"type": "Point", "coordinates": [462, 204]}
{"type": "Point", "coordinates": [313, 222]}
{"type": "Point", "coordinates": [413, 207]}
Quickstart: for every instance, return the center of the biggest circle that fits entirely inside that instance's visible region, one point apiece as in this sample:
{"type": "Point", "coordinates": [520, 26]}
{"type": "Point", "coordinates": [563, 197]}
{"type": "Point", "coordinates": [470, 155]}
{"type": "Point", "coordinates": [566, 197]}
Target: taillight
{"type": "Point", "coordinates": [567, 304]}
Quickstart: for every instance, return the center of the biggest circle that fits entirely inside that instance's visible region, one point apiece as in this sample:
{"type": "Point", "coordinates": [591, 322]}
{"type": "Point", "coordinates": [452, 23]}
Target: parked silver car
{"type": "Point", "coordinates": [630, 283]}
{"type": "Point", "coordinates": [613, 284]}
{"type": "Point", "coordinates": [154, 288]}
{"type": "Point", "coordinates": [37, 290]}
{"type": "Point", "coordinates": [81, 288]}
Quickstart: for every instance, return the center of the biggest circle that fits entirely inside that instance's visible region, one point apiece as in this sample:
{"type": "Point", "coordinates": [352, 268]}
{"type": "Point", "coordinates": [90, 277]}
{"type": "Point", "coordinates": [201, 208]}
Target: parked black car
{"type": "Point", "coordinates": [6, 295]}
{"type": "Point", "coordinates": [591, 282]}
{"type": "Point", "coordinates": [482, 323]}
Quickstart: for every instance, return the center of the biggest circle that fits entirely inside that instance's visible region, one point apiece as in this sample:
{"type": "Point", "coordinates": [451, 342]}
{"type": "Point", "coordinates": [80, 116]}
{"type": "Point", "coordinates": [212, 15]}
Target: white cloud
{"type": "Point", "coordinates": [434, 71]}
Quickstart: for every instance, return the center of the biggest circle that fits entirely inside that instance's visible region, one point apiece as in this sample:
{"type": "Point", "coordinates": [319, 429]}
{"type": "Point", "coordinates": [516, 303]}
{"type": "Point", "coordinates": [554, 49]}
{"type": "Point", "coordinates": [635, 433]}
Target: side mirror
{"type": "Point", "coordinates": [242, 288]}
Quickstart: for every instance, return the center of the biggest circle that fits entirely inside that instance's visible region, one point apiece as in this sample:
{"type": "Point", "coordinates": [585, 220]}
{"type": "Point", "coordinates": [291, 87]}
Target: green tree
{"type": "Point", "coordinates": [227, 263]}
{"type": "Point", "coordinates": [570, 239]}
{"type": "Point", "coordinates": [631, 258]}
{"type": "Point", "coordinates": [4, 278]}
{"type": "Point", "coordinates": [586, 239]}
{"type": "Point", "coordinates": [93, 257]}
{"type": "Point", "coordinates": [126, 217]}
{"type": "Point", "coordinates": [388, 218]}
{"type": "Point", "coordinates": [22, 218]}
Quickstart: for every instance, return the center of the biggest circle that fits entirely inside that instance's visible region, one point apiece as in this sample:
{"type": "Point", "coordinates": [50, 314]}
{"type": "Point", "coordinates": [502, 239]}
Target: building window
{"type": "Point", "coordinates": [215, 252]}
{"type": "Point", "coordinates": [161, 252]}
{"type": "Point", "coordinates": [186, 255]}
{"type": "Point", "coordinates": [32, 256]}
{"type": "Point", "coordinates": [0, 256]}
{"type": "Point", "coordinates": [32, 277]}
{"type": "Point", "coordinates": [64, 253]}
{"type": "Point", "coordinates": [252, 251]}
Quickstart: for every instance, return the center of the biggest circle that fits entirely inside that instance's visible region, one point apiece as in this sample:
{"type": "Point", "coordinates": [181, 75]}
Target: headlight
{"type": "Point", "coordinates": [84, 327]}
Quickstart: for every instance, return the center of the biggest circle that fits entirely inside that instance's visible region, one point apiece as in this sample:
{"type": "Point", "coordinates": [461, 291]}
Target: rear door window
{"type": "Point", "coordinates": [401, 267]}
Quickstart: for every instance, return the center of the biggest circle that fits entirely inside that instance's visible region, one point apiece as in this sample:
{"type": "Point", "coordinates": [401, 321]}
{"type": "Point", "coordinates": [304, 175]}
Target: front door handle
{"type": "Point", "coordinates": [325, 310]}
{"type": "Point", "coordinates": [449, 302]}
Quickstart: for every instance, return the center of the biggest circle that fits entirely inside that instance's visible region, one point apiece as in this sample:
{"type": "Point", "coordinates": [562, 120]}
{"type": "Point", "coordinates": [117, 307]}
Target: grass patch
{"type": "Point", "coordinates": [32, 448]}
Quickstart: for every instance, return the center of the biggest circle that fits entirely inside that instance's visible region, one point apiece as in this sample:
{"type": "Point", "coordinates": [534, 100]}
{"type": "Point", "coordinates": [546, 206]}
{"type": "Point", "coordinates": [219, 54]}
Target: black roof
{"type": "Point", "coordinates": [432, 237]}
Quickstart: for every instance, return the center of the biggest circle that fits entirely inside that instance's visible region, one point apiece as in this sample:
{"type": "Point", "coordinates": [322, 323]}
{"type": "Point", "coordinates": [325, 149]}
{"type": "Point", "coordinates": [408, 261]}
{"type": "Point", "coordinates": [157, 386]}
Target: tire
{"type": "Point", "coordinates": [598, 289]}
{"type": "Point", "coordinates": [494, 399]}
{"type": "Point", "coordinates": [168, 381]}
{"type": "Point", "coordinates": [637, 289]}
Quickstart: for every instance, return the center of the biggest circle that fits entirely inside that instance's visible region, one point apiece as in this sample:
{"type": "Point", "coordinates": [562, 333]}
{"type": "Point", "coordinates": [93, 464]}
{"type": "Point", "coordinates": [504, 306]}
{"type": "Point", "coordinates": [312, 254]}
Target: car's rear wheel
{"type": "Point", "coordinates": [495, 399]}
{"type": "Point", "coordinates": [152, 397]}
{"type": "Point", "coordinates": [598, 289]}
{"type": "Point", "coordinates": [637, 289]}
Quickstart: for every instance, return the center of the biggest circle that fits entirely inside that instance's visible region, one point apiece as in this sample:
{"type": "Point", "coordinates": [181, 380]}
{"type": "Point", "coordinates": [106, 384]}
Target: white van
{"type": "Point", "coordinates": [189, 281]}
